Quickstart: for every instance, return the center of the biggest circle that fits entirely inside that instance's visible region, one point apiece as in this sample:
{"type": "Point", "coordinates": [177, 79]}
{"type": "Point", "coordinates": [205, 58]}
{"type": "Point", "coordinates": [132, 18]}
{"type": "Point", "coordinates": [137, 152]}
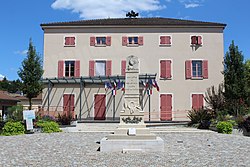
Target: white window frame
{"type": "Point", "coordinates": [100, 60]}
{"type": "Point", "coordinates": [190, 40]}
{"type": "Point", "coordinates": [64, 38]}
{"type": "Point", "coordinates": [172, 73]}
{"type": "Point", "coordinates": [100, 45]}
{"type": "Point", "coordinates": [133, 36]}
{"type": "Point", "coordinates": [165, 45]}
{"type": "Point", "coordinates": [194, 77]}
{"type": "Point", "coordinates": [64, 66]}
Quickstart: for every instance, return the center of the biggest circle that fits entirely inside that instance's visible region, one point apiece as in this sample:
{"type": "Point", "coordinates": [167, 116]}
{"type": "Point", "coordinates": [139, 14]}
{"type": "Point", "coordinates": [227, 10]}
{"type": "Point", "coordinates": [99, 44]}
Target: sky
{"type": "Point", "coordinates": [20, 20]}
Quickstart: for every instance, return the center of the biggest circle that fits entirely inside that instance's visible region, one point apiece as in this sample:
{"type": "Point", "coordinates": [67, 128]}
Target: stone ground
{"type": "Point", "coordinates": [192, 148]}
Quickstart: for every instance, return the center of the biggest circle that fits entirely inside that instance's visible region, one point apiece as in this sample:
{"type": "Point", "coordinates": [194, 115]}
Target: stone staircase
{"type": "Point", "coordinates": [154, 127]}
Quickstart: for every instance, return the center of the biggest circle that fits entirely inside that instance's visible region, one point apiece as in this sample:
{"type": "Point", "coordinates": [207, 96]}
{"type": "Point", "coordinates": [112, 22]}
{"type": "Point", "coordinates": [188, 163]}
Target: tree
{"type": "Point", "coordinates": [234, 79]}
{"type": "Point", "coordinates": [31, 73]}
{"type": "Point", "coordinates": [247, 67]}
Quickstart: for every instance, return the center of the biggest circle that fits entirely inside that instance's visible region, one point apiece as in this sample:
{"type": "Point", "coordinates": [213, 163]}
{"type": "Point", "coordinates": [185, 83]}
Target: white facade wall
{"type": "Point", "coordinates": [149, 54]}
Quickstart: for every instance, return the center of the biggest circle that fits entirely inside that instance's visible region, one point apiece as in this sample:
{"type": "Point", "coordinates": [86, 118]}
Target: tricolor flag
{"type": "Point", "coordinates": [114, 84]}
{"type": "Point", "coordinates": [108, 85]}
{"type": "Point", "coordinates": [119, 85]}
{"type": "Point", "coordinates": [123, 86]}
{"type": "Point", "coordinates": [149, 92]}
{"type": "Point", "coordinates": [143, 83]}
{"type": "Point", "coordinates": [114, 92]}
{"type": "Point", "coordinates": [156, 85]}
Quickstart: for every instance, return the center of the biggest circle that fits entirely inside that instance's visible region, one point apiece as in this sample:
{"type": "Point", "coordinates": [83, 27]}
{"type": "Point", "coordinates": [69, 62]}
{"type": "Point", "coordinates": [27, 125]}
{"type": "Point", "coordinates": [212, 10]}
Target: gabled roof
{"type": "Point", "coordinates": [156, 21]}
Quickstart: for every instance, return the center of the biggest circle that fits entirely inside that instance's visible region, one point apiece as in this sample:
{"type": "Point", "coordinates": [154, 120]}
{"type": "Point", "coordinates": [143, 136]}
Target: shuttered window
{"type": "Point", "coordinates": [196, 40]}
{"type": "Point", "coordinates": [68, 68]}
{"type": "Point", "coordinates": [196, 69]}
{"type": "Point", "coordinates": [165, 40]}
{"type": "Point", "coordinates": [69, 41]}
{"type": "Point", "coordinates": [132, 41]}
{"type": "Point", "coordinates": [165, 69]}
{"type": "Point", "coordinates": [100, 68]}
{"type": "Point", "coordinates": [100, 41]}
{"type": "Point", "coordinates": [197, 101]}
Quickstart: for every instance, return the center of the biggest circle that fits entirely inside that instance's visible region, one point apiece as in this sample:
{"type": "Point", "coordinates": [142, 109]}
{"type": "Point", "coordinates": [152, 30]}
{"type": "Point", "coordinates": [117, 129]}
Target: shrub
{"type": "Point", "coordinates": [224, 127]}
{"type": "Point", "coordinates": [13, 128]}
{"type": "Point", "coordinates": [48, 126]}
{"type": "Point", "coordinates": [15, 113]}
{"type": "Point", "coordinates": [200, 117]}
{"type": "Point", "coordinates": [65, 119]}
{"type": "Point", "coordinates": [48, 118]}
{"type": "Point", "coordinates": [245, 123]}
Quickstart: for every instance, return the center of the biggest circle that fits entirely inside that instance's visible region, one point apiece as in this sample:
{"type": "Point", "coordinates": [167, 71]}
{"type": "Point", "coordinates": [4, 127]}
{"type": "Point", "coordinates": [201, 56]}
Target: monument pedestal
{"type": "Point", "coordinates": [132, 134]}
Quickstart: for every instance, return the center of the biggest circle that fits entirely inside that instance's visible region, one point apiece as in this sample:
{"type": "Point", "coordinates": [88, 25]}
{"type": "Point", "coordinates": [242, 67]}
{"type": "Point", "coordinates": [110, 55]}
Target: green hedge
{"type": "Point", "coordinates": [13, 128]}
{"type": "Point", "coordinates": [224, 127]}
{"type": "Point", "coordinates": [49, 126]}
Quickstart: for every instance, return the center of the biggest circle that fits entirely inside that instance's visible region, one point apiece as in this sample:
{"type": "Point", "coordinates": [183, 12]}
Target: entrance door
{"type": "Point", "coordinates": [69, 104]}
{"type": "Point", "coordinates": [100, 107]}
{"type": "Point", "coordinates": [166, 107]}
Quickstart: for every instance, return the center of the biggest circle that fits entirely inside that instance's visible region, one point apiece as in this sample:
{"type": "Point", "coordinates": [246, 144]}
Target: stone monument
{"type": "Point", "coordinates": [132, 134]}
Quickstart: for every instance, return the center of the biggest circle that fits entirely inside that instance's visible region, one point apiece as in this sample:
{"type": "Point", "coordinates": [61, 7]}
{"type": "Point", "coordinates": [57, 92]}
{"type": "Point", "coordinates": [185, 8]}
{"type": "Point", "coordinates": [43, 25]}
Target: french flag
{"type": "Point", "coordinates": [149, 92]}
{"type": "Point", "coordinates": [114, 92]}
{"type": "Point", "coordinates": [156, 85]}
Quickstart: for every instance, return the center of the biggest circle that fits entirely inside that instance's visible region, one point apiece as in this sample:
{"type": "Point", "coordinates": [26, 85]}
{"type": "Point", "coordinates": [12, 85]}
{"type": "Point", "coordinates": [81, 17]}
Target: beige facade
{"type": "Point", "coordinates": [150, 54]}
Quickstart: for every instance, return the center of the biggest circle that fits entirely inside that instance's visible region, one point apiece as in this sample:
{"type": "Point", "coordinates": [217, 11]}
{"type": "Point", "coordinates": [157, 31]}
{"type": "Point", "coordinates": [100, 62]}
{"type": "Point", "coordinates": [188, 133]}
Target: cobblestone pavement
{"type": "Point", "coordinates": [80, 149]}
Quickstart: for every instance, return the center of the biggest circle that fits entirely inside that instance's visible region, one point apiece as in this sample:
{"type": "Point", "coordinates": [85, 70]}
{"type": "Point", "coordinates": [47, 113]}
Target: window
{"type": "Point", "coordinates": [100, 68]}
{"type": "Point", "coordinates": [196, 69]}
{"type": "Point", "coordinates": [165, 69]}
{"type": "Point", "coordinates": [69, 69]}
{"type": "Point", "coordinates": [165, 40]}
{"type": "Point", "coordinates": [69, 41]}
{"type": "Point", "coordinates": [133, 40]}
{"type": "Point", "coordinates": [100, 41]}
{"type": "Point", "coordinates": [196, 40]}
{"type": "Point", "coordinates": [197, 101]}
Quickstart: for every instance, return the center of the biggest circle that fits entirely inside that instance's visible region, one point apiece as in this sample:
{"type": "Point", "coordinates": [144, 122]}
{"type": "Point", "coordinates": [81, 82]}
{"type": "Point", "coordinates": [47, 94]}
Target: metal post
{"type": "Point", "coordinates": [80, 99]}
{"type": "Point", "coordinates": [149, 107]}
{"type": "Point", "coordinates": [113, 107]}
{"type": "Point", "coordinates": [48, 96]}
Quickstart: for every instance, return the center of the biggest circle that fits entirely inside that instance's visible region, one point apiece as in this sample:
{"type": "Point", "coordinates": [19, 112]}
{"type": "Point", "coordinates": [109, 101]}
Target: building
{"type": "Point", "coordinates": [84, 60]}
{"type": "Point", "coordinates": [6, 101]}
{"type": "Point", "coordinates": [24, 101]}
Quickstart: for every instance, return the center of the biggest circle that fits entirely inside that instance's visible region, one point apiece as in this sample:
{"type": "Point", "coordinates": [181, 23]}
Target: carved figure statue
{"type": "Point", "coordinates": [133, 63]}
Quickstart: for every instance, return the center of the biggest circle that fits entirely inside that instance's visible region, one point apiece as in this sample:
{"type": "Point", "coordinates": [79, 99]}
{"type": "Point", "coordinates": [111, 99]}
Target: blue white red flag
{"type": "Point", "coordinates": [114, 92]}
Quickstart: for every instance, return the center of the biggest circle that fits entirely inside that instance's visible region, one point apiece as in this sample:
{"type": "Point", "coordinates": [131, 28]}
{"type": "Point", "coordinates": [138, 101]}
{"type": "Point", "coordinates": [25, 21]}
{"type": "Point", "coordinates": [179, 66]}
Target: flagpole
{"type": "Point", "coordinates": [113, 107]}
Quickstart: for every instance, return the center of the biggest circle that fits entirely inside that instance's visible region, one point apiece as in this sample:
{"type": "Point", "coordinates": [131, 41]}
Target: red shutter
{"type": "Point", "coordinates": [200, 104]}
{"type": "Point", "coordinates": [77, 68]}
{"type": "Point", "coordinates": [168, 40]}
{"type": "Point", "coordinates": [195, 99]}
{"type": "Point", "coordinates": [205, 69]}
{"type": "Point", "coordinates": [108, 67]}
{"type": "Point", "coordinates": [166, 106]}
{"type": "Point", "coordinates": [199, 40]}
{"type": "Point", "coordinates": [67, 41]}
{"type": "Point", "coordinates": [66, 103]}
{"type": "Point", "coordinates": [168, 69]}
{"type": "Point", "coordinates": [108, 41]}
{"type": "Point", "coordinates": [60, 68]}
{"type": "Point", "coordinates": [124, 41]}
{"type": "Point", "coordinates": [188, 65]}
{"type": "Point", "coordinates": [72, 40]}
{"type": "Point", "coordinates": [162, 40]}
{"type": "Point", "coordinates": [92, 41]}
{"type": "Point", "coordinates": [140, 40]}
{"type": "Point", "coordinates": [163, 69]}
{"type": "Point", "coordinates": [123, 67]}
{"type": "Point", "coordinates": [91, 68]}
{"type": "Point", "coordinates": [193, 40]}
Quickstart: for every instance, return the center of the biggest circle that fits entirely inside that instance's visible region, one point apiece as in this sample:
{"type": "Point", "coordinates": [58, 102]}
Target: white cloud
{"type": "Point", "coordinates": [93, 9]}
{"type": "Point", "coordinates": [192, 5]}
{"type": "Point", "coordinates": [1, 76]}
{"type": "Point", "coordinates": [24, 52]}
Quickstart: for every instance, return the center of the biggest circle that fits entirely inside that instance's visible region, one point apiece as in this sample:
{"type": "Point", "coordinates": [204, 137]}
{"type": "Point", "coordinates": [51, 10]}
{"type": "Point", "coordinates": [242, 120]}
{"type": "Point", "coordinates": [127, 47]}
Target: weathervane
{"type": "Point", "coordinates": [132, 14]}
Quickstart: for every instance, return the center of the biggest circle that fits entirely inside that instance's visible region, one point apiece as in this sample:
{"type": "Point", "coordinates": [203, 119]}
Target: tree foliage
{"type": "Point", "coordinates": [31, 73]}
{"type": "Point", "coordinates": [10, 86]}
{"type": "Point", "coordinates": [215, 98]}
{"type": "Point", "coordinates": [234, 79]}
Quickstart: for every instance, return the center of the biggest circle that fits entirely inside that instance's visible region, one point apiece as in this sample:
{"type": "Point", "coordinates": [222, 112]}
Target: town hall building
{"type": "Point", "coordinates": [84, 66]}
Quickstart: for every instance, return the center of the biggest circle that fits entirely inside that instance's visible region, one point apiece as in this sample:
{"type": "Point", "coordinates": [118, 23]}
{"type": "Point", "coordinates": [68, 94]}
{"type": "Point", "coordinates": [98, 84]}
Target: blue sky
{"type": "Point", "coordinates": [20, 20]}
